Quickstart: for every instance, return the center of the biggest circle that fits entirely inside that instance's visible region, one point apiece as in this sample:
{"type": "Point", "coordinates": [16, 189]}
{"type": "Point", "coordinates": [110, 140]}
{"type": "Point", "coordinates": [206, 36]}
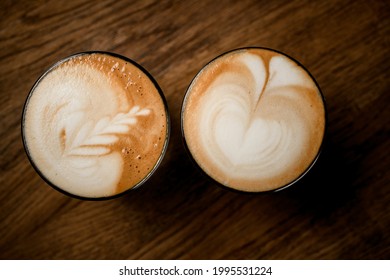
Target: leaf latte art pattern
{"type": "Point", "coordinates": [95, 140]}
{"type": "Point", "coordinates": [253, 120]}
{"type": "Point", "coordinates": [95, 125]}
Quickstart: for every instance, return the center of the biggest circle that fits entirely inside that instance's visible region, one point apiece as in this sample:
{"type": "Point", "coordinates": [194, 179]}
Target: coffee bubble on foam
{"type": "Point", "coordinates": [89, 121]}
{"type": "Point", "coordinates": [253, 120]}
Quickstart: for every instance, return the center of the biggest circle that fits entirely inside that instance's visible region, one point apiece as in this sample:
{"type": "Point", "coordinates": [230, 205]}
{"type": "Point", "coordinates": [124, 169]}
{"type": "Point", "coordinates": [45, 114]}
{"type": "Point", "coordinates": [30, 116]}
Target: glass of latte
{"type": "Point", "coordinates": [95, 125]}
{"type": "Point", "coordinates": [253, 119]}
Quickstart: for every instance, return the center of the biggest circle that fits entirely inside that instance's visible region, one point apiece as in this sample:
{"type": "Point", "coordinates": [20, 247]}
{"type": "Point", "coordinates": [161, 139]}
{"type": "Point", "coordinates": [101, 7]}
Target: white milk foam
{"type": "Point", "coordinates": [75, 117]}
{"type": "Point", "coordinates": [252, 124]}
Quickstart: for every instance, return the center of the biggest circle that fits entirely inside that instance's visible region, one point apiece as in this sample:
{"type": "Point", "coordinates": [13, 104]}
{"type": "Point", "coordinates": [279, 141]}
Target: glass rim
{"type": "Point", "coordinates": [164, 147]}
{"type": "Point", "coordinates": [209, 176]}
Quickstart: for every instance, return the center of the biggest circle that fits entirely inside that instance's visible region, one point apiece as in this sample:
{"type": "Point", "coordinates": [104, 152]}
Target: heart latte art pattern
{"type": "Point", "coordinates": [95, 125]}
{"type": "Point", "coordinates": [253, 120]}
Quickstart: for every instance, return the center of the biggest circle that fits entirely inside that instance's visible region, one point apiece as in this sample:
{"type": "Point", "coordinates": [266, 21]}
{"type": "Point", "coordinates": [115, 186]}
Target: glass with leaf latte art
{"type": "Point", "coordinates": [95, 125]}
{"type": "Point", "coordinates": [253, 119]}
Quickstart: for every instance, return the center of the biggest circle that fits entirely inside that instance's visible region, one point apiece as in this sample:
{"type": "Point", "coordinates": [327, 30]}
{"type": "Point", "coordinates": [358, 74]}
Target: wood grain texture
{"type": "Point", "coordinates": [340, 210]}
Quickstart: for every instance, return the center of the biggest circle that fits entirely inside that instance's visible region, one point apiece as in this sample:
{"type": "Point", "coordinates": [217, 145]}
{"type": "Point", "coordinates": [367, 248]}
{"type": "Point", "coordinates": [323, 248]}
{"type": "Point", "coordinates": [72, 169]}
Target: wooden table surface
{"type": "Point", "coordinates": [340, 210]}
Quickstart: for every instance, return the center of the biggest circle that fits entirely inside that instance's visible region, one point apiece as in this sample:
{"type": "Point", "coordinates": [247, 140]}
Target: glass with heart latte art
{"type": "Point", "coordinates": [95, 125]}
{"type": "Point", "coordinates": [253, 119]}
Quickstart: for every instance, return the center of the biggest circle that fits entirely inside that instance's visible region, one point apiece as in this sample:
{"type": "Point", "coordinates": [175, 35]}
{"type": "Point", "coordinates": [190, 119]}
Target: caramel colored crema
{"type": "Point", "coordinates": [253, 120]}
{"type": "Point", "coordinates": [95, 125]}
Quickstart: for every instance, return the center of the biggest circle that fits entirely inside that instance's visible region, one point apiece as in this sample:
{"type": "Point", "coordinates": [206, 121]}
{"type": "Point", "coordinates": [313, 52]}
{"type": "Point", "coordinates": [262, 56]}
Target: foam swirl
{"type": "Point", "coordinates": [253, 120]}
{"type": "Point", "coordinates": [83, 119]}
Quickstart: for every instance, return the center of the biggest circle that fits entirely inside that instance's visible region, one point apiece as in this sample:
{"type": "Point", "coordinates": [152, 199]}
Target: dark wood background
{"type": "Point", "coordinates": [340, 210]}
